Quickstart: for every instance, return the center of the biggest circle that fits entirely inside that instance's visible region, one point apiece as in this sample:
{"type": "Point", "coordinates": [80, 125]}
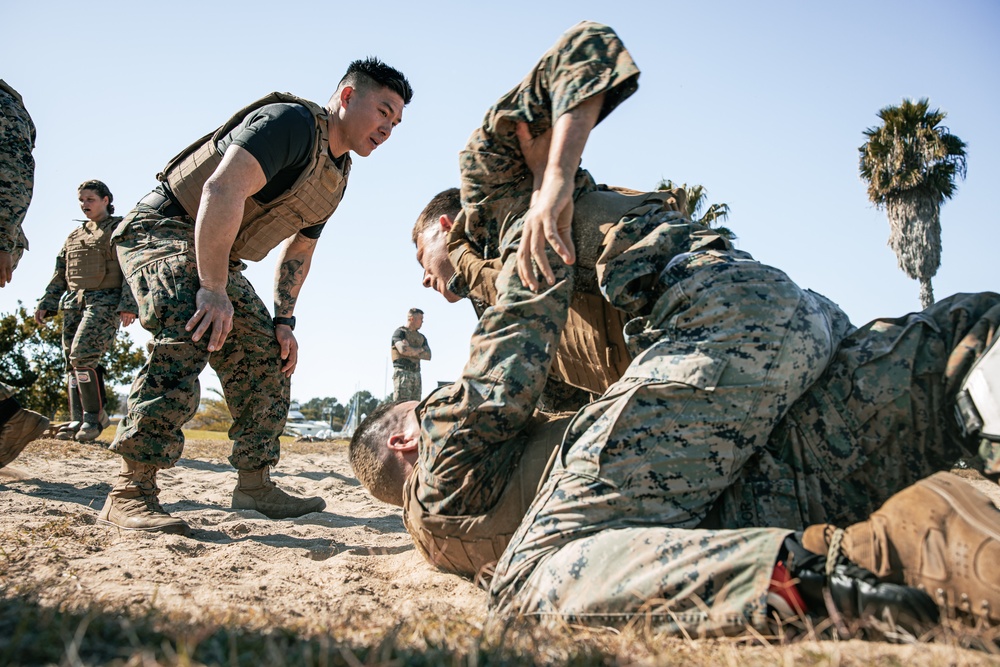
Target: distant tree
{"type": "Point", "coordinates": [697, 197]}
{"type": "Point", "coordinates": [319, 409]}
{"type": "Point", "coordinates": [910, 163]}
{"type": "Point", "coordinates": [31, 359]}
{"type": "Point", "coordinates": [366, 402]}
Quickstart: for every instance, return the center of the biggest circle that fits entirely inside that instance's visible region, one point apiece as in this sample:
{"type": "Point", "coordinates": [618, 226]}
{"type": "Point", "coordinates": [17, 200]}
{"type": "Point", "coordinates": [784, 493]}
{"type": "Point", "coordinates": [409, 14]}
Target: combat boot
{"type": "Point", "coordinates": [940, 535]}
{"type": "Point", "coordinates": [21, 428]}
{"type": "Point", "coordinates": [256, 491]}
{"type": "Point", "coordinates": [95, 419]}
{"type": "Point", "coordinates": [133, 503]}
{"type": "Point", "coordinates": [68, 431]}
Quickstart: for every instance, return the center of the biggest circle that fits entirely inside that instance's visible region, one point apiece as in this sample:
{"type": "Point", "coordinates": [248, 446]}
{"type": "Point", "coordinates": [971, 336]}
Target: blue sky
{"type": "Point", "coordinates": [763, 103]}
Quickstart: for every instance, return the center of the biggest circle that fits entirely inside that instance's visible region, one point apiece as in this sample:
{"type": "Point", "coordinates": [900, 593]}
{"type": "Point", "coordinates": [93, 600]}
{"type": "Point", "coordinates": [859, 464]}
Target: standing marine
{"type": "Point", "coordinates": [409, 346]}
{"type": "Point", "coordinates": [88, 287]}
{"type": "Point", "coordinates": [270, 176]}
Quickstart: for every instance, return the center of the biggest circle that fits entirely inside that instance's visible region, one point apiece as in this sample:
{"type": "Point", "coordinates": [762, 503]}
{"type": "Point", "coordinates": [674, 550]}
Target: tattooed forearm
{"type": "Point", "coordinates": [286, 288]}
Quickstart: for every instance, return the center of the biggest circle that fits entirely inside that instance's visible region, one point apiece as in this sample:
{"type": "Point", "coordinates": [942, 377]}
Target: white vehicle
{"type": "Point", "coordinates": [297, 425]}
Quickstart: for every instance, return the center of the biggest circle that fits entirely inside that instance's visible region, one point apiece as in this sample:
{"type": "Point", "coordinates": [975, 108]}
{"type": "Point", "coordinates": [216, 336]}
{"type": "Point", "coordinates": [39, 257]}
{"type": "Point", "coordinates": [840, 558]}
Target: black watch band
{"type": "Point", "coordinates": [290, 321]}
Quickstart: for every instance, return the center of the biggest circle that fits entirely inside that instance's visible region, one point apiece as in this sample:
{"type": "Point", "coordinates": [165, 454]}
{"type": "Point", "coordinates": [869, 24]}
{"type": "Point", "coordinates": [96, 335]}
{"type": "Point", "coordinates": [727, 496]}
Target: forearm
{"type": "Point", "coordinates": [56, 287]}
{"type": "Point", "coordinates": [291, 272]}
{"type": "Point", "coordinates": [469, 426]}
{"type": "Point", "coordinates": [569, 137]}
{"type": "Point", "coordinates": [218, 222]}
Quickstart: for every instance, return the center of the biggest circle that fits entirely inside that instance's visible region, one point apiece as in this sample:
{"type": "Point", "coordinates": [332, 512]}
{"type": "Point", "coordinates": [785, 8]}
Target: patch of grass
{"type": "Point", "coordinates": [33, 634]}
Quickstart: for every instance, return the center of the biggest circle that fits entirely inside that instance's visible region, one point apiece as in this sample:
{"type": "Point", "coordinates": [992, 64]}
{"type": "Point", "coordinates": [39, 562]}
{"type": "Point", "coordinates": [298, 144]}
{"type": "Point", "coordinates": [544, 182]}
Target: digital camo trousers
{"type": "Point", "coordinates": [158, 259]}
{"type": "Point", "coordinates": [89, 331]}
{"type": "Point", "coordinates": [405, 385]}
{"type": "Point", "coordinates": [881, 418]}
{"type": "Point", "coordinates": [17, 172]}
{"type": "Point", "coordinates": [609, 535]}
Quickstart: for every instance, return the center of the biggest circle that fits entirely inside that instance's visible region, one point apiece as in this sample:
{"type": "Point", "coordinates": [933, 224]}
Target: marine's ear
{"type": "Point", "coordinates": [401, 442]}
{"type": "Point", "coordinates": [446, 222]}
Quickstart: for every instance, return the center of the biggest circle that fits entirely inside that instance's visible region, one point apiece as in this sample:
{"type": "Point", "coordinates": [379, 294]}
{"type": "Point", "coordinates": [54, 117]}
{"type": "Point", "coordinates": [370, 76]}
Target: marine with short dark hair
{"type": "Point", "coordinates": [271, 175]}
{"type": "Point", "coordinates": [409, 346]}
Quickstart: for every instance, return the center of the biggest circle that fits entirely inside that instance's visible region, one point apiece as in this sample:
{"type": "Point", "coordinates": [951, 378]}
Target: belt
{"type": "Point", "coordinates": [163, 205]}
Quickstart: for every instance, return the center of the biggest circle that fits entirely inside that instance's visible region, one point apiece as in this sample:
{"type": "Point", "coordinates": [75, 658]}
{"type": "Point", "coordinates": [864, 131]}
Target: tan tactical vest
{"type": "Point", "coordinates": [591, 353]}
{"type": "Point", "coordinates": [91, 261]}
{"type": "Point", "coordinates": [312, 199]}
{"type": "Point", "coordinates": [471, 545]}
{"type": "Point", "coordinates": [413, 338]}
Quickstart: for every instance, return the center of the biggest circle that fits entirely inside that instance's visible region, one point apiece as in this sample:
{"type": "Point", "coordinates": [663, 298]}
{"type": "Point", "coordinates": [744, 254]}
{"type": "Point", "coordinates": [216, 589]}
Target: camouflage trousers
{"type": "Point", "coordinates": [881, 418]}
{"type": "Point", "coordinates": [405, 385]}
{"type": "Point", "coordinates": [724, 355]}
{"type": "Point", "coordinates": [89, 329]}
{"type": "Point", "coordinates": [17, 173]}
{"type": "Point", "coordinates": [158, 259]}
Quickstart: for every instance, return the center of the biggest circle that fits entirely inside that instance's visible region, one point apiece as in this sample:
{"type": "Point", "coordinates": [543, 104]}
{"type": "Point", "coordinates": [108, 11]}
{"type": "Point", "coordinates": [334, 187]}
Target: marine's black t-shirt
{"type": "Point", "coordinates": [280, 137]}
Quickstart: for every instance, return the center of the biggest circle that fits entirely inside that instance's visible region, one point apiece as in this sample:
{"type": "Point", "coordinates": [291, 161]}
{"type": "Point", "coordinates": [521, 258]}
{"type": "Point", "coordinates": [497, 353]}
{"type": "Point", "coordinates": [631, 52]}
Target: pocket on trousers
{"type": "Point", "coordinates": [669, 361]}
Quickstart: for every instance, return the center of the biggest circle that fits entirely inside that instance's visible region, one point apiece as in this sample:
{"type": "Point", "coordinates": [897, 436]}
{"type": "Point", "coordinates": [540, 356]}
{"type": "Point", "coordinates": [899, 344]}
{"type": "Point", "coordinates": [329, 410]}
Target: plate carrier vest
{"type": "Point", "coordinates": [592, 354]}
{"type": "Point", "coordinates": [471, 545]}
{"type": "Point", "coordinates": [91, 261]}
{"type": "Point", "coordinates": [311, 200]}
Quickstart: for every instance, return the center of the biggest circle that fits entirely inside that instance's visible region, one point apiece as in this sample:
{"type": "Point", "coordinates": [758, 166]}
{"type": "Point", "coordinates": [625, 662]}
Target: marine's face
{"type": "Point", "coordinates": [368, 117]}
{"type": "Point", "coordinates": [414, 321]}
{"type": "Point", "coordinates": [432, 253]}
{"type": "Point", "coordinates": [93, 206]}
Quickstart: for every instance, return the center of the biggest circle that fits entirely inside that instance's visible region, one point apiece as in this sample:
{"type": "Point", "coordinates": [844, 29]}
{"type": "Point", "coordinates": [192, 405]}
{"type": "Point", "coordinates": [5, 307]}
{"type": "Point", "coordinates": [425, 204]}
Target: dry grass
{"type": "Point", "coordinates": [32, 634]}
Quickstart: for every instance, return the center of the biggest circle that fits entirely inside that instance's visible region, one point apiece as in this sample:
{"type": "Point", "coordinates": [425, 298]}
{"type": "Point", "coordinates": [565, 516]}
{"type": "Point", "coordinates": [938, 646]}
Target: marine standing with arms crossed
{"type": "Point", "coordinates": [408, 348]}
{"type": "Point", "coordinates": [271, 175]}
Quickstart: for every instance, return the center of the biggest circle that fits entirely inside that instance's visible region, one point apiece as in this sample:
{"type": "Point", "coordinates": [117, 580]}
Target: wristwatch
{"type": "Point", "coordinates": [290, 321]}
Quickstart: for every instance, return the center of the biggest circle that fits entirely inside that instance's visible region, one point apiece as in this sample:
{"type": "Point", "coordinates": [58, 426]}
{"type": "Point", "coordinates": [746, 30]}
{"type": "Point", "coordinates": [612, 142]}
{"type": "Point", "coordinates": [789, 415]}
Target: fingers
{"type": "Point", "coordinates": [213, 314]}
{"type": "Point", "coordinates": [220, 331]}
{"type": "Point", "coordinates": [289, 351]}
{"type": "Point", "coordinates": [525, 270]}
{"type": "Point", "coordinates": [6, 268]}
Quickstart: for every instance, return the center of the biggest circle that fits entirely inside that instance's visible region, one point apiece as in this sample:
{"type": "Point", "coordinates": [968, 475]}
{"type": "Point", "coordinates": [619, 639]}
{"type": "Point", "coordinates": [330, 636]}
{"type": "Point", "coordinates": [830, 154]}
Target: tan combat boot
{"type": "Point", "coordinates": [941, 535]}
{"type": "Point", "coordinates": [256, 491]}
{"type": "Point", "coordinates": [15, 434]}
{"type": "Point", "coordinates": [133, 503]}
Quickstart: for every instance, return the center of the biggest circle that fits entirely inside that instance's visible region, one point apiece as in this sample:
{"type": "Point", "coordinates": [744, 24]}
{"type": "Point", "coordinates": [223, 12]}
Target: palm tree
{"type": "Point", "coordinates": [910, 163]}
{"type": "Point", "coordinates": [697, 195]}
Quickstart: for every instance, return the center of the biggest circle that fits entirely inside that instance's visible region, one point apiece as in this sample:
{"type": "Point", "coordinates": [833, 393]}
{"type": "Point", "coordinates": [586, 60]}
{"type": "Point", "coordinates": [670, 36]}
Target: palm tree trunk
{"type": "Point", "coordinates": [926, 293]}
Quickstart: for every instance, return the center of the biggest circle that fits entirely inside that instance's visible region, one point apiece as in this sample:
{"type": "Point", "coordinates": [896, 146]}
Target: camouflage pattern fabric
{"type": "Point", "coordinates": [6, 391]}
{"type": "Point", "coordinates": [17, 172]}
{"type": "Point", "coordinates": [588, 60]}
{"type": "Point", "coordinates": [880, 418]}
{"type": "Point", "coordinates": [722, 346]}
{"type": "Point", "coordinates": [158, 258]}
{"type": "Point", "coordinates": [90, 317]}
{"type": "Point", "coordinates": [405, 385]}
{"type": "Point", "coordinates": [89, 331]}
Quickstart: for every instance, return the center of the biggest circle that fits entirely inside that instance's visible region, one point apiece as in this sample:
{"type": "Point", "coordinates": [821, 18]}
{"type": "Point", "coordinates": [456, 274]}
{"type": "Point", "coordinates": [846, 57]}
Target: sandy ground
{"type": "Point", "coordinates": [354, 557]}
{"type": "Point", "coordinates": [354, 560]}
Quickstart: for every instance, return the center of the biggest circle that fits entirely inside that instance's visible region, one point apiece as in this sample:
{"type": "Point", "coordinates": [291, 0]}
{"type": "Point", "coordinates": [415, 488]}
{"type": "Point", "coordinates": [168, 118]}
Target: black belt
{"type": "Point", "coordinates": [163, 205]}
